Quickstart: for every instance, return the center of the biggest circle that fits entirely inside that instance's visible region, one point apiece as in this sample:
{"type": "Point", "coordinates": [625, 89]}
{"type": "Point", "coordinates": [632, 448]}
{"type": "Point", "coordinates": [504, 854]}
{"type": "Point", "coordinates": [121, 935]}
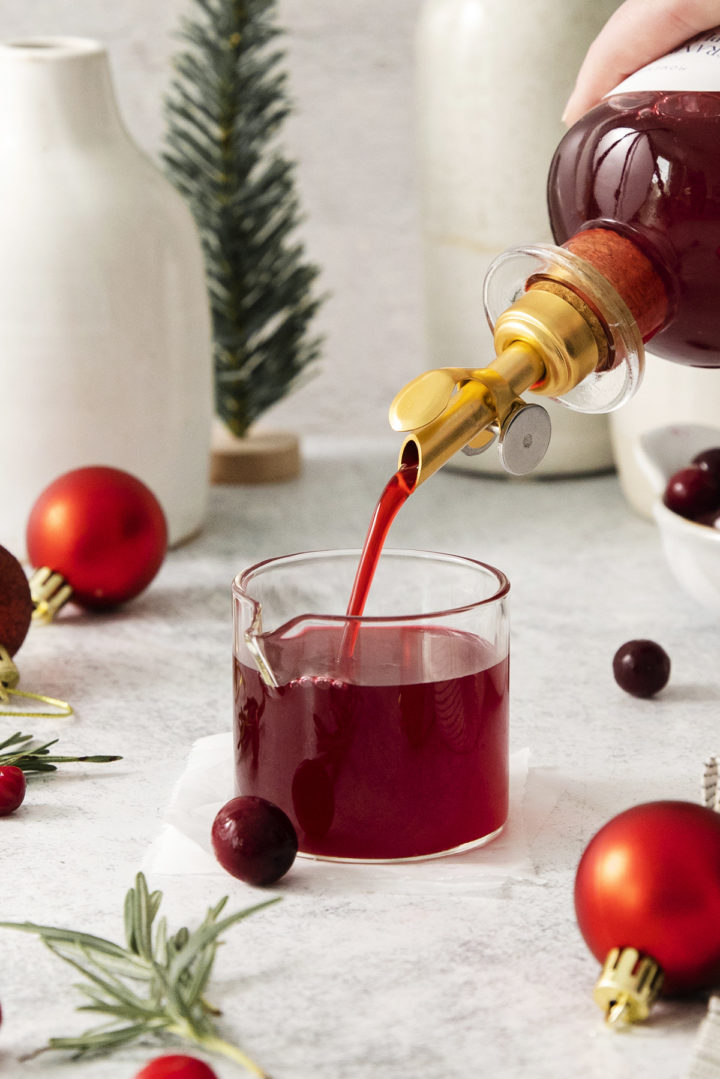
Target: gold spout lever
{"type": "Point", "coordinates": [545, 343]}
{"type": "Point", "coordinates": [452, 408]}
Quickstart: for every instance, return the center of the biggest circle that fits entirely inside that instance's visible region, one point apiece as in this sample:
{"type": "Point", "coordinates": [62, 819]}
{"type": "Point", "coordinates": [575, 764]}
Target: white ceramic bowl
{"type": "Point", "coordinates": [692, 550]}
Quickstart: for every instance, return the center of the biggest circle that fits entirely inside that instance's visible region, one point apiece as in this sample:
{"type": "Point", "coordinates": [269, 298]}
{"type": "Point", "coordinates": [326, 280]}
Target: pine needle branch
{"type": "Point", "coordinates": [225, 108]}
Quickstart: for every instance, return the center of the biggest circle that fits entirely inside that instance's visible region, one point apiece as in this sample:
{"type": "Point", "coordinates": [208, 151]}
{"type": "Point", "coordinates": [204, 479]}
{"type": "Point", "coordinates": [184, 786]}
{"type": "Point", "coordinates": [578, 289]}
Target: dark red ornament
{"type": "Point", "coordinates": [650, 880]}
{"type": "Point", "coordinates": [16, 605]}
{"type": "Point", "coordinates": [101, 530]}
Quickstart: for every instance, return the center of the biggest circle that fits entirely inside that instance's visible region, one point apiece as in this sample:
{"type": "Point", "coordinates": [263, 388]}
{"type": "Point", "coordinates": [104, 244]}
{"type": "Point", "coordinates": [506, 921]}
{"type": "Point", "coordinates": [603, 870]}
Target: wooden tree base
{"type": "Point", "coordinates": [260, 457]}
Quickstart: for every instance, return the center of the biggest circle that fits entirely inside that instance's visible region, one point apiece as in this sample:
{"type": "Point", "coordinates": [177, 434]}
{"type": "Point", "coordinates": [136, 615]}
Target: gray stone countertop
{"type": "Point", "coordinates": [399, 983]}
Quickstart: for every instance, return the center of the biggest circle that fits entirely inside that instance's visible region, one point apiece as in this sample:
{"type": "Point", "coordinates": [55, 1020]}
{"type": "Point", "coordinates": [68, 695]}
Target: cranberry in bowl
{"type": "Point", "coordinates": [682, 461]}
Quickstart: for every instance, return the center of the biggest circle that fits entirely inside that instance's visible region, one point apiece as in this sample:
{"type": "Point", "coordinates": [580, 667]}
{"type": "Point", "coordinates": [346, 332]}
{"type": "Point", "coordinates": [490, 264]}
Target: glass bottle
{"type": "Point", "coordinates": [482, 166]}
{"type": "Point", "coordinates": [634, 203]}
{"type": "Point", "coordinates": [634, 196]}
{"type": "Point", "coordinates": [634, 187]}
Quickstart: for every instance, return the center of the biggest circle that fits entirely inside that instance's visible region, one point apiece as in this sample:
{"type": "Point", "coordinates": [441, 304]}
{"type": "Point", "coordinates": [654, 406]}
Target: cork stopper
{"type": "Point", "coordinates": [627, 987]}
{"type": "Point", "coordinates": [630, 272]}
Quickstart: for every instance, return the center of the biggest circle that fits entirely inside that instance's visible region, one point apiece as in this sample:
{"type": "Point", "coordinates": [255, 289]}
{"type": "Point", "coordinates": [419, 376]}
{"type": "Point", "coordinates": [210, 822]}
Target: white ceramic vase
{"type": "Point", "coordinates": [105, 338]}
{"type": "Point", "coordinates": [492, 80]}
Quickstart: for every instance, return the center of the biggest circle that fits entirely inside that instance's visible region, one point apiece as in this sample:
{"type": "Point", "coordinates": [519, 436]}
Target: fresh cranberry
{"type": "Point", "coordinates": [692, 493]}
{"type": "Point", "coordinates": [641, 667]}
{"type": "Point", "coordinates": [709, 461]}
{"type": "Point", "coordinates": [12, 789]}
{"type": "Point", "coordinates": [176, 1066]}
{"type": "Point", "coordinates": [254, 840]}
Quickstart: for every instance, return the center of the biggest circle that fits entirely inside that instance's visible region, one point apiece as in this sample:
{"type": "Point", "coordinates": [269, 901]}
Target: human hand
{"type": "Point", "coordinates": [638, 32]}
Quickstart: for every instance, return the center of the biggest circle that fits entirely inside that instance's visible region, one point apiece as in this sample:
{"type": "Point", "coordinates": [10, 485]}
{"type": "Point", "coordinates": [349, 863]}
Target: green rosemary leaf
{"type": "Point", "coordinates": [16, 739]}
{"type": "Point", "coordinates": [108, 966]}
{"type": "Point", "coordinates": [37, 758]}
{"type": "Point", "coordinates": [92, 1041]}
{"type": "Point", "coordinates": [128, 920]}
{"type": "Point", "coordinates": [97, 758]}
{"type": "Point", "coordinates": [214, 912]}
{"type": "Point", "coordinates": [207, 933]}
{"type": "Point", "coordinates": [161, 942]}
{"type": "Point", "coordinates": [142, 929]}
{"type": "Point", "coordinates": [112, 987]}
{"type": "Point", "coordinates": [201, 973]}
{"type": "Point", "coordinates": [155, 901]}
{"type": "Point", "coordinates": [53, 933]}
{"type": "Point", "coordinates": [105, 1007]}
{"type": "Point", "coordinates": [179, 940]}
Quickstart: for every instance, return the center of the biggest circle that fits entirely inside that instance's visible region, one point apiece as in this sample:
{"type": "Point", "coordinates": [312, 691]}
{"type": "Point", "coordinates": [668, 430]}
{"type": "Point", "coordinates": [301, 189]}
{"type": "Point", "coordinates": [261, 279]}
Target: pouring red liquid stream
{"type": "Point", "coordinates": [394, 496]}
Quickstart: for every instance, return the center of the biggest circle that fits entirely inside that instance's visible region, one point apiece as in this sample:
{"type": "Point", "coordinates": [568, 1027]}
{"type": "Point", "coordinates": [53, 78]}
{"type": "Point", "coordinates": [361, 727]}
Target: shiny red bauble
{"type": "Point", "coordinates": [650, 880]}
{"type": "Point", "coordinates": [102, 530]}
{"type": "Point", "coordinates": [16, 605]}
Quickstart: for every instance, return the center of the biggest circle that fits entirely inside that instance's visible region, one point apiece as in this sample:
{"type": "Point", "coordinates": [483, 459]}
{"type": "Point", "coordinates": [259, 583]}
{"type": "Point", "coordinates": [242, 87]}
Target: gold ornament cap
{"type": "Point", "coordinates": [49, 591]}
{"type": "Point", "coordinates": [628, 986]}
{"type": "Point", "coordinates": [9, 674]}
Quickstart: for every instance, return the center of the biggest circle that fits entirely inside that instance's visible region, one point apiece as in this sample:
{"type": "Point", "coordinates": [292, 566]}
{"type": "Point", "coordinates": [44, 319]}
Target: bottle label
{"type": "Point", "coordinates": [692, 66]}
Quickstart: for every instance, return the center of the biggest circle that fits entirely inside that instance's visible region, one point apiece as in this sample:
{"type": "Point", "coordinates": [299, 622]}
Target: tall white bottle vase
{"type": "Point", "coordinates": [105, 338]}
{"type": "Point", "coordinates": [492, 79]}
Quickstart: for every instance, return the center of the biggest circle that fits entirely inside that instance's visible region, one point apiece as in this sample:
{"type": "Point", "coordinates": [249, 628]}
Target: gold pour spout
{"type": "Point", "coordinates": [547, 342]}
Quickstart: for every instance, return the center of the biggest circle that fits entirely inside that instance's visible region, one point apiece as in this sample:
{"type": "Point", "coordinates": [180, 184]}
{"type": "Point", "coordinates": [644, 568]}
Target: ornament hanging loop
{"type": "Point", "coordinates": [59, 708]}
{"type": "Point", "coordinates": [9, 678]}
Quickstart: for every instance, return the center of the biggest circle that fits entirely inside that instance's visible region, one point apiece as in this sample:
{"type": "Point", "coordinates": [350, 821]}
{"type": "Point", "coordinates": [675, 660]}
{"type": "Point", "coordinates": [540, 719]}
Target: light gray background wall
{"type": "Point", "coordinates": [350, 66]}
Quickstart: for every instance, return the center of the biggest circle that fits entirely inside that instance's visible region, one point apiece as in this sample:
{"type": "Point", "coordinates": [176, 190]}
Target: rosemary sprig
{"type": "Point", "coordinates": [37, 758]}
{"type": "Point", "coordinates": [153, 985]}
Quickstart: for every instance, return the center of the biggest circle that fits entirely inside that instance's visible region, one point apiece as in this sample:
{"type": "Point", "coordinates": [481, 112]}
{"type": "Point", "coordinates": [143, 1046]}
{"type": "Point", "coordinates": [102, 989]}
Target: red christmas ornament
{"type": "Point", "coordinates": [647, 899]}
{"type": "Point", "coordinates": [16, 604]}
{"type": "Point", "coordinates": [98, 531]}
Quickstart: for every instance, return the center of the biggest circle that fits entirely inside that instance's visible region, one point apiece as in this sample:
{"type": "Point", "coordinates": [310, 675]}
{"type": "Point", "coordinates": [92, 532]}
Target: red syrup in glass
{"type": "Point", "coordinates": [647, 164]}
{"type": "Point", "coordinates": [385, 763]}
{"type": "Point", "coordinates": [383, 760]}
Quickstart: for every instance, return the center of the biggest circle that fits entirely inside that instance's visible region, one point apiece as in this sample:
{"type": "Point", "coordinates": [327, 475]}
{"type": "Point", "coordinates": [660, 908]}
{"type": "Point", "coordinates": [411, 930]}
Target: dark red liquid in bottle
{"type": "Point", "coordinates": [389, 761]}
{"type": "Point", "coordinates": [648, 165]}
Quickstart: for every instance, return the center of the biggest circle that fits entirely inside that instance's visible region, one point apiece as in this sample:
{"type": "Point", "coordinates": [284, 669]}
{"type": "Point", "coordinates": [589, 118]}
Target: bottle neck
{"type": "Point", "coordinates": [56, 91]}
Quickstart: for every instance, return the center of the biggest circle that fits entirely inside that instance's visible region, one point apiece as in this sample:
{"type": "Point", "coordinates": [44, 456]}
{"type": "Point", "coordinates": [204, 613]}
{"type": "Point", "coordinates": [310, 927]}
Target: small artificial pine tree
{"type": "Point", "coordinates": [224, 109]}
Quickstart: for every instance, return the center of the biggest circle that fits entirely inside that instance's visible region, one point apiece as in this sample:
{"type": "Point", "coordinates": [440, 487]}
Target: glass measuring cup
{"type": "Point", "coordinates": [383, 737]}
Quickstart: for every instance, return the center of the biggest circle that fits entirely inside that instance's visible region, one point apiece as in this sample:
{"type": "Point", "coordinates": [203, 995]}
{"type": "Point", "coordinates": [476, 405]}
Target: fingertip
{"type": "Point", "coordinates": [571, 112]}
